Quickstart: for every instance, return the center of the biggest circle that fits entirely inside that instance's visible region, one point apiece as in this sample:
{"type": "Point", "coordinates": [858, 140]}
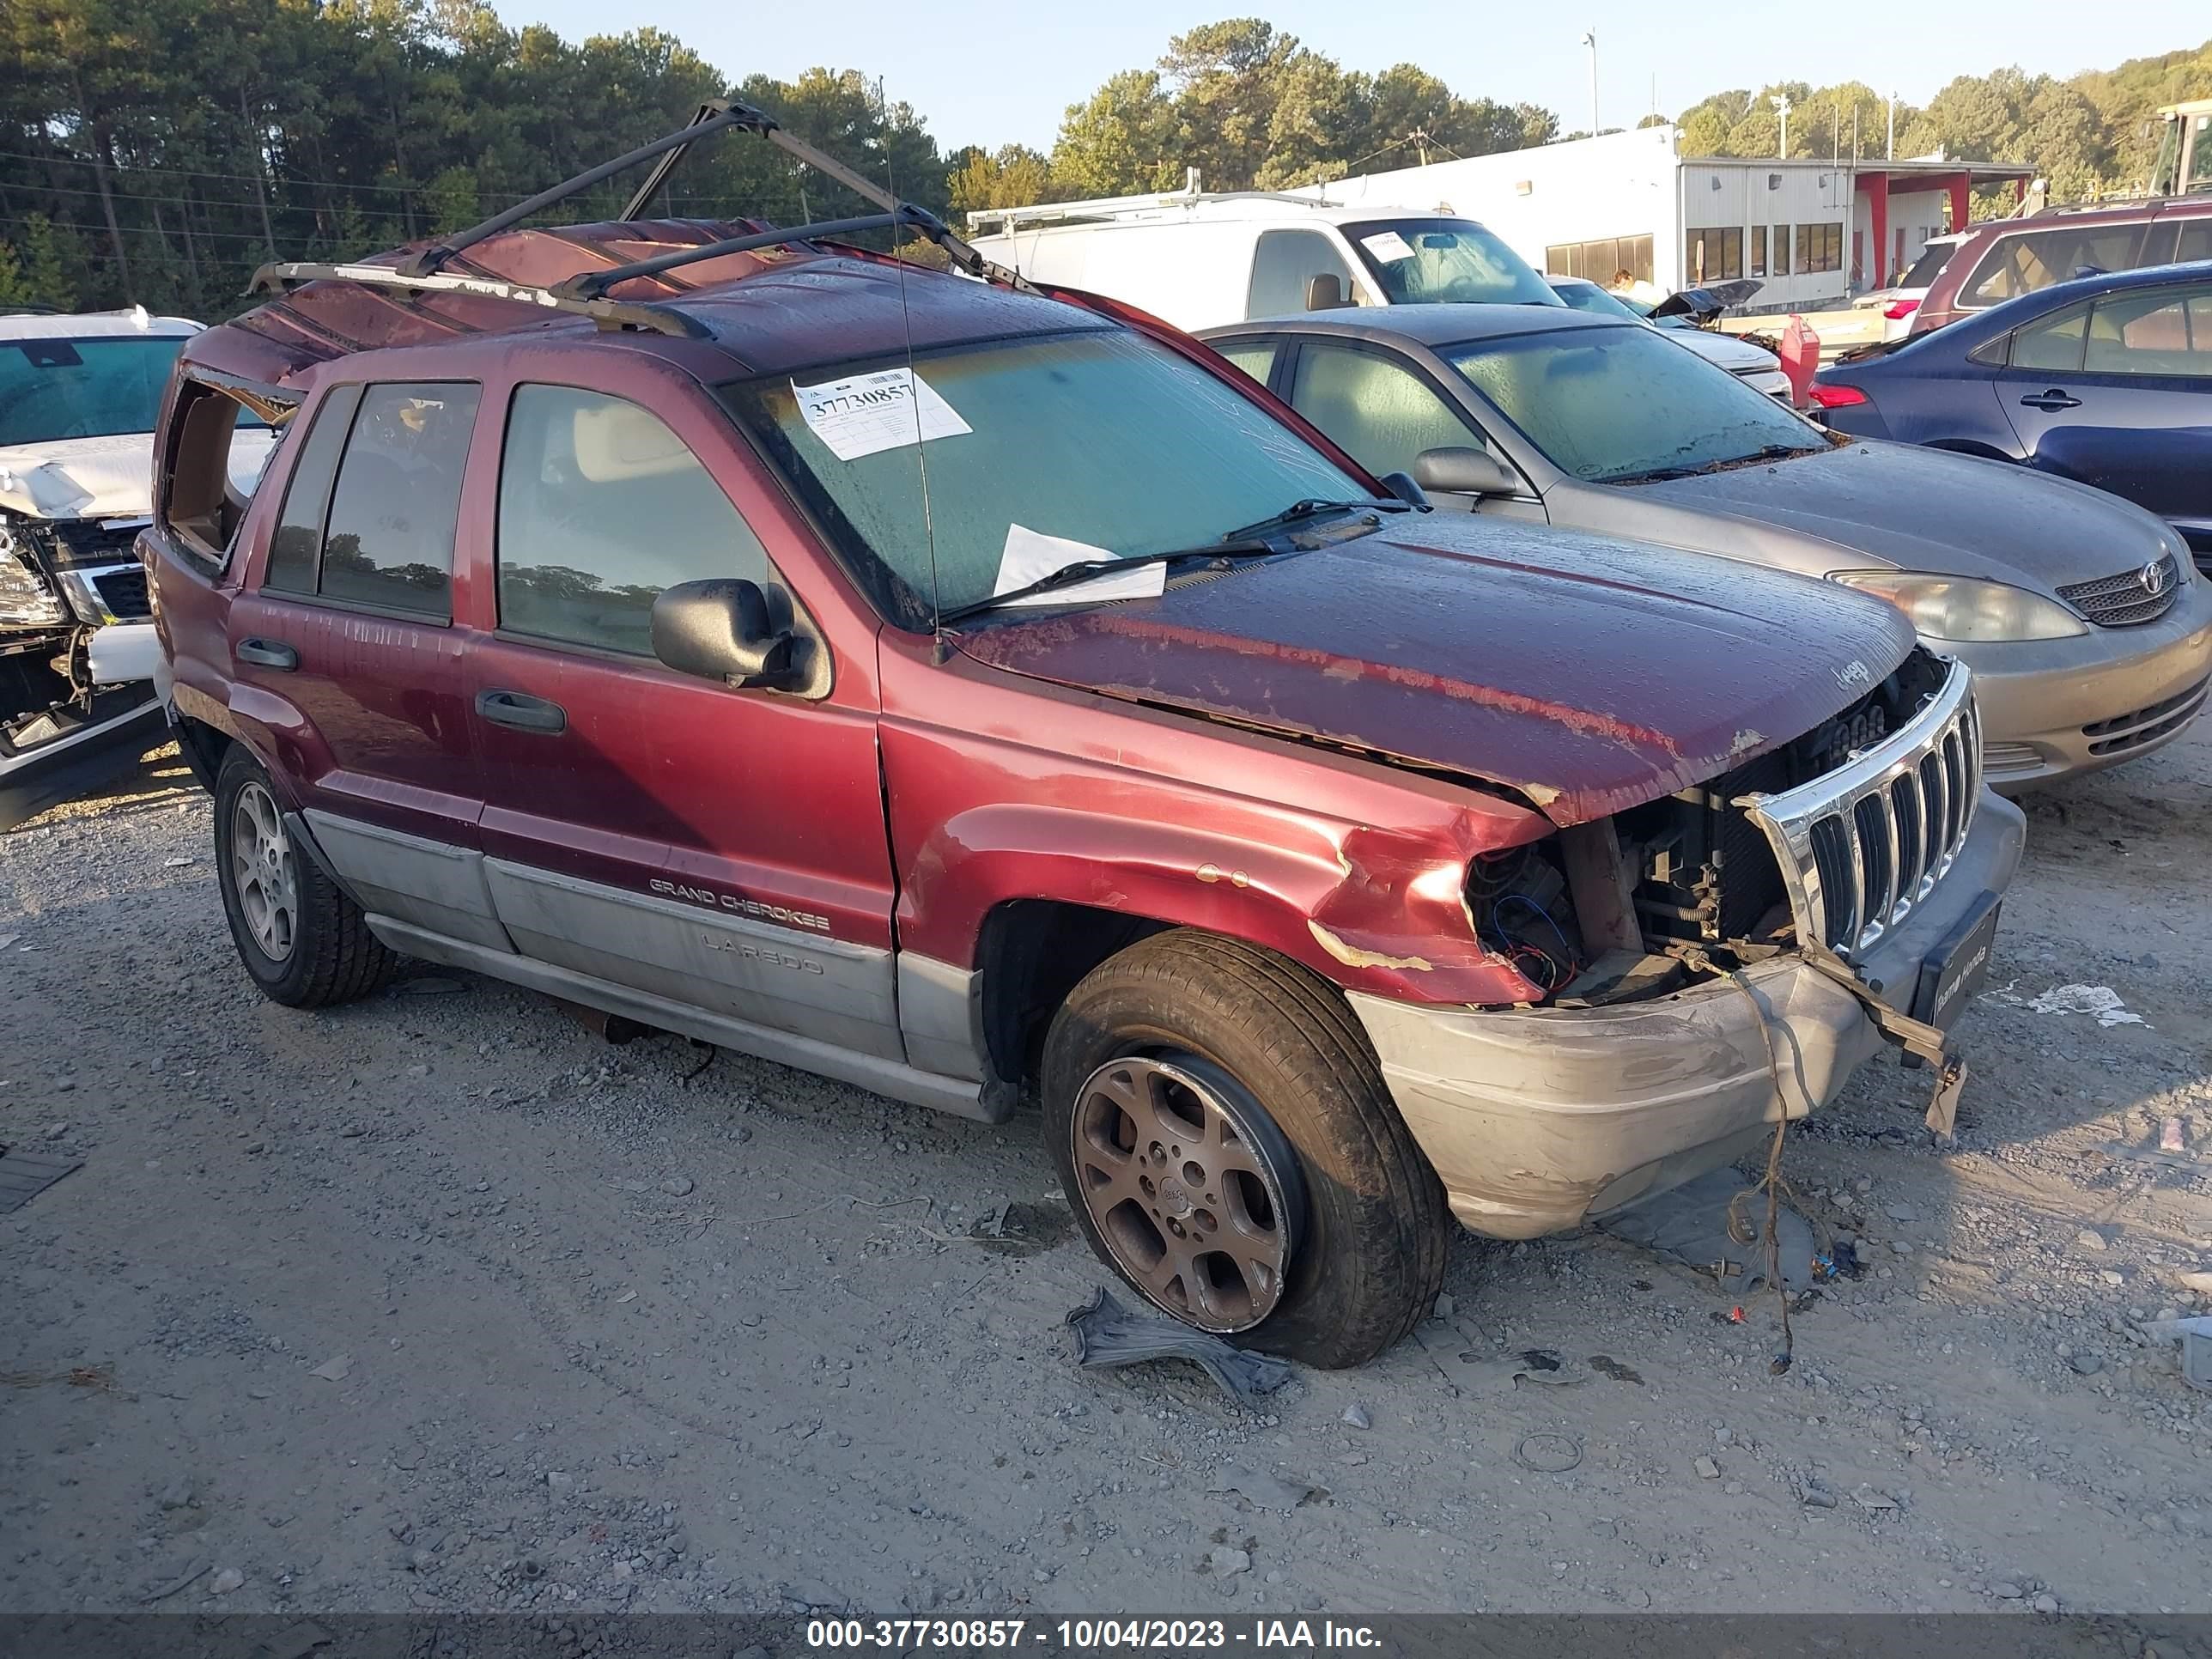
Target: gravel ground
{"type": "Point", "coordinates": [438, 1301]}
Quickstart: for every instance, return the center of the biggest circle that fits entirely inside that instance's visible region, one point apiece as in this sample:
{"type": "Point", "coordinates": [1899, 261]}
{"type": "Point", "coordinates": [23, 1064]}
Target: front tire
{"type": "Point", "coordinates": [1225, 1136]}
{"type": "Point", "coordinates": [303, 942]}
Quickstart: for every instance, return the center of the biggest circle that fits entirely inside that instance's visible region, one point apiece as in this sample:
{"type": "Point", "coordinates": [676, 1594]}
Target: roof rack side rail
{"type": "Point", "coordinates": [278, 278]}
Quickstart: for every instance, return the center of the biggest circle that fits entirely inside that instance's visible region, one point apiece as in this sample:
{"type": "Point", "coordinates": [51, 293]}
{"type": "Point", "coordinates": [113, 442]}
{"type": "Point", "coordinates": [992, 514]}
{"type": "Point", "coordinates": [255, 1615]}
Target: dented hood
{"type": "Point", "coordinates": [1589, 675]}
{"type": "Point", "coordinates": [104, 477]}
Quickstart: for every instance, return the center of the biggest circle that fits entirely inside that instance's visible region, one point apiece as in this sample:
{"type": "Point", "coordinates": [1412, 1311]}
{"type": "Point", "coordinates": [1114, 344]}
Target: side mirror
{"type": "Point", "coordinates": [1463, 469]}
{"type": "Point", "coordinates": [723, 629]}
{"type": "Point", "coordinates": [1325, 291]}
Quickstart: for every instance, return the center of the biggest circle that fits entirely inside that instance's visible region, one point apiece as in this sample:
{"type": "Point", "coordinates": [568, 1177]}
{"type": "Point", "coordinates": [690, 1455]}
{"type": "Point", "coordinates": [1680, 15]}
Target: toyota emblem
{"type": "Point", "coordinates": [2152, 578]}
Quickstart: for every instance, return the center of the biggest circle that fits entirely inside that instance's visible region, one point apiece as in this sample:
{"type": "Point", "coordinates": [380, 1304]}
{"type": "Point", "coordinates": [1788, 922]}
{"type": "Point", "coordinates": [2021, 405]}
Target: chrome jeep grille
{"type": "Point", "coordinates": [2143, 594]}
{"type": "Point", "coordinates": [1862, 846]}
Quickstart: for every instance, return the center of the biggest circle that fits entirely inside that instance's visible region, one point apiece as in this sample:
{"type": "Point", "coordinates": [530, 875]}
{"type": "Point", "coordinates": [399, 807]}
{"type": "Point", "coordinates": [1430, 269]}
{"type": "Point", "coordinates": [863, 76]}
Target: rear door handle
{"type": "Point", "coordinates": [269, 654]}
{"type": "Point", "coordinates": [2051, 401]}
{"type": "Point", "coordinates": [521, 712]}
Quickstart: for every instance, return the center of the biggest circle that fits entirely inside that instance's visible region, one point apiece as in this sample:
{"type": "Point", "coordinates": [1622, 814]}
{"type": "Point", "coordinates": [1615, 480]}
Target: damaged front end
{"type": "Point", "coordinates": [1711, 963]}
{"type": "Point", "coordinates": [73, 619]}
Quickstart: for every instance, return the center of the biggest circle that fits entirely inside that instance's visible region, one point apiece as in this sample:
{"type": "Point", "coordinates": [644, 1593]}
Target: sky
{"type": "Point", "coordinates": [999, 73]}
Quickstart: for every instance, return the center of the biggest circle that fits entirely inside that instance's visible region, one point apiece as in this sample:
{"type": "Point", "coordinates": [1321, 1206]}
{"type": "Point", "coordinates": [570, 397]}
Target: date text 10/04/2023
{"type": "Point", "coordinates": [1088, 1635]}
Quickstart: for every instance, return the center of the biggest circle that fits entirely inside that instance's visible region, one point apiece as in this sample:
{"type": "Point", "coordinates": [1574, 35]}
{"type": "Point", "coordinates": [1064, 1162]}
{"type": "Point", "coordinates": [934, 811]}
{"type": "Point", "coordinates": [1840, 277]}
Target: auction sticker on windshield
{"type": "Point", "coordinates": [1387, 245]}
{"type": "Point", "coordinates": [863, 414]}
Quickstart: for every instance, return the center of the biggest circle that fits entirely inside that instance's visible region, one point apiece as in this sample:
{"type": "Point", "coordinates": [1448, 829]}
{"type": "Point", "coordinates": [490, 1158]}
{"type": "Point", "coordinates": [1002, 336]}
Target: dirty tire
{"type": "Point", "coordinates": [1370, 1258]}
{"type": "Point", "coordinates": [333, 957]}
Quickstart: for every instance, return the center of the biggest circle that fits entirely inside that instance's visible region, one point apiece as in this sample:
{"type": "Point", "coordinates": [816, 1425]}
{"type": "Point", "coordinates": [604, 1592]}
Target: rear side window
{"type": "Point", "coordinates": [2053, 344]}
{"type": "Point", "coordinates": [1283, 262]}
{"type": "Point", "coordinates": [2030, 260]}
{"type": "Point", "coordinates": [296, 549]}
{"type": "Point", "coordinates": [600, 507]}
{"type": "Point", "coordinates": [389, 543]}
{"type": "Point", "coordinates": [2196, 241]}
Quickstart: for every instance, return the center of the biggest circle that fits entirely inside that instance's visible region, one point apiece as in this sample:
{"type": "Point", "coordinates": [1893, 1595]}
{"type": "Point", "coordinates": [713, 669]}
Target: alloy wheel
{"type": "Point", "coordinates": [1194, 1190]}
{"type": "Point", "coordinates": [263, 871]}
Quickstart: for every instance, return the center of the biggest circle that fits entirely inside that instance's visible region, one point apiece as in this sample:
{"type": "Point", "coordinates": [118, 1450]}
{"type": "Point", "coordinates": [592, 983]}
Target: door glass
{"type": "Point", "coordinates": [299, 538]}
{"type": "Point", "coordinates": [600, 507]}
{"type": "Point", "coordinates": [1281, 264]}
{"type": "Point", "coordinates": [2021, 264]}
{"type": "Point", "coordinates": [390, 541]}
{"type": "Point", "coordinates": [2150, 333]}
{"type": "Point", "coordinates": [2054, 343]}
{"type": "Point", "coordinates": [1384, 414]}
{"type": "Point", "coordinates": [1256, 357]}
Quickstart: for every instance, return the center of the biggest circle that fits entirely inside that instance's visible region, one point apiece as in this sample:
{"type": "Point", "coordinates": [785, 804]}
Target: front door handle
{"type": "Point", "coordinates": [269, 654]}
{"type": "Point", "coordinates": [2051, 401]}
{"type": "Point", "coordinates": [521, 712]}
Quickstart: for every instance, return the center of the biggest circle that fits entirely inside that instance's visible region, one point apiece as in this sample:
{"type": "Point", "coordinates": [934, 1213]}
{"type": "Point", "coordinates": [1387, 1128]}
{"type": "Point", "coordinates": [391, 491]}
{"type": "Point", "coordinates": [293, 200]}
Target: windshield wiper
{"type": "Point", "coordinates": [1662, 474]}
{"type": "Point", "coordinates": [1312, 508]}
{"type": "Point", "coordinates": [1084, 571]}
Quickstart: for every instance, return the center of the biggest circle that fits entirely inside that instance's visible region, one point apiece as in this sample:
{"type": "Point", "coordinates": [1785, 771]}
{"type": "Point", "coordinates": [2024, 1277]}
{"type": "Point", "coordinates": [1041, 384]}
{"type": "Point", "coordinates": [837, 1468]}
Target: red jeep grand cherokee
{"type": "Point", "coordinates": [1354, 868]}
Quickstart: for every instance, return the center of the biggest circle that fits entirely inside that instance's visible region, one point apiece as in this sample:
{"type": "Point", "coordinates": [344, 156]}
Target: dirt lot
{"type": "Point", "coordinates": [439, 1301]}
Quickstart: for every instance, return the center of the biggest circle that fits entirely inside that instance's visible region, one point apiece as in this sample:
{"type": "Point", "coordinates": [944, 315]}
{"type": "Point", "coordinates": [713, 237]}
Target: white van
{"type": "Point", "coordinates": [1198, 260]}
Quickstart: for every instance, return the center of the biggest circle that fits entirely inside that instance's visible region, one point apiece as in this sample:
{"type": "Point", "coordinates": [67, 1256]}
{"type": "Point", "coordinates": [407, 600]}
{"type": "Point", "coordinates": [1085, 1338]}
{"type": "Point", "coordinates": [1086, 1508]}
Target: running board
{"type": "Point", "coordinates": [883, 1077]}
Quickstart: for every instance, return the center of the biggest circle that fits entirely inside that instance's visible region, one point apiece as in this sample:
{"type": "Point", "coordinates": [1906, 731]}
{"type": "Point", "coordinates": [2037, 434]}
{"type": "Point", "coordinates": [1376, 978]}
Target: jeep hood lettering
{"type": "Point", "coordinates": [1589, 675]}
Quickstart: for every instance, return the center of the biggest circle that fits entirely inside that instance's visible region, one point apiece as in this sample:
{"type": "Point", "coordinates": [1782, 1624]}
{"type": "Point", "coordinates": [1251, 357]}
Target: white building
{"type": "Point", "coordinates": [1812, 231]}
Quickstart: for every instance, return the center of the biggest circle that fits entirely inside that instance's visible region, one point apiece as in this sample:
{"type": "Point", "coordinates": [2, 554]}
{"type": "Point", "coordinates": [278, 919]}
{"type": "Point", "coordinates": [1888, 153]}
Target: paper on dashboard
{"type": "Point", "coordinates": [863, 414]}
{"type": "Point", "coordinates": [1030, 557]}
{"type": "Point", "coordinates": [1387, 245]}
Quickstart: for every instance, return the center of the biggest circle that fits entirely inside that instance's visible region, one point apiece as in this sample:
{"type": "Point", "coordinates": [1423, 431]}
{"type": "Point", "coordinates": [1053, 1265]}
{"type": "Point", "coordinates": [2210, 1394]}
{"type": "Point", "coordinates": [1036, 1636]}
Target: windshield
{"type": "Point", "coordinates": [1444, 261]}
{"type": "Point", "coordinates": [1610, 404]}
{"type": "Point", "coordinates": [91, 388]}
{"type": "Point", "coordinates": [1101, 439]}
{"type": "Point", "coordinates": [1589, 296]}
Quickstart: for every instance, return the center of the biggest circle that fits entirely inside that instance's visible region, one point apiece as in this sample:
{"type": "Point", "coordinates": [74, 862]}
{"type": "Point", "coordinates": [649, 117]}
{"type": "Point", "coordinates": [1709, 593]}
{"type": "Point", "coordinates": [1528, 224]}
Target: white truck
{"type": "Point", "coordinates": [78, 399]}
{"type": "Point", "coordinates": [1198, 259]}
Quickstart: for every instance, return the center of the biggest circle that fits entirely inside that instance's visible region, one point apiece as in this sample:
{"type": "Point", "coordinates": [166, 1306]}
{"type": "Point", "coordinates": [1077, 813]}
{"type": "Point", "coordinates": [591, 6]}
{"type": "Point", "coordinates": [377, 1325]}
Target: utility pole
{"type": "Point", "coordinates": [1782, 106]}
{"type": "Point", "coordinates": [1590, 40]}
{"type": "Point", "coordinates": [1891, 152]}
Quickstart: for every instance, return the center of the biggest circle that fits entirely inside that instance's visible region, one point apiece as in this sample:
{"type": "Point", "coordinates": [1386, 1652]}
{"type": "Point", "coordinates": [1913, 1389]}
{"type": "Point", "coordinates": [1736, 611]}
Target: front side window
{"type": "Point", "coordinates": [1256, 357]}
{"type": "Point", "coordinates": [1381, 411]}
{"type": "Point", "coordinates": [1283, 262]}
{"type": "Point", "coordinates": [1098, 436]}
{"type": "Point", "coordinates": [1609, 405]}
{"type": "Point", "coordinates": [2163, 331]}
{"type": "Point", "coordinates": [600, 507]}
{"type": "Point", "coordinates": [1589, 296]}
{"type": "Point", "coordinates": [382, 536]}
{"type": "Point", "coordinates": [1442, 261]}
{"type": "Point", "coordinates": [101, 387]}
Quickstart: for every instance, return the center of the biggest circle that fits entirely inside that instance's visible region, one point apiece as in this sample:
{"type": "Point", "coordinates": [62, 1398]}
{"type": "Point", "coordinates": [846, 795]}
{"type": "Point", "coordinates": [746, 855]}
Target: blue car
{"type": "Point", "coordinates": [2106, 379]}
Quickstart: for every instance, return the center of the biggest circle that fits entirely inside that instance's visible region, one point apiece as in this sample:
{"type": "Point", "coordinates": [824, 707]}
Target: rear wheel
{"type": "Point", "coordinates": [305, 943]}
{"type": "Point", "coordinates": [1225, 1138]}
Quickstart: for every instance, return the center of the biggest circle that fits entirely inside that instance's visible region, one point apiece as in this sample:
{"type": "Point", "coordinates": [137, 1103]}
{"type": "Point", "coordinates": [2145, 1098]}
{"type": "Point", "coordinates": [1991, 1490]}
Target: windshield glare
{"type": "Point", "coordinates": [1102, 438]}
{"type": "Point", "coordinates": [89, 388]}
{"type": "Point", "coordinates": [1445, 261]}
{"type": "Point", "coordinates": [1608, 403]}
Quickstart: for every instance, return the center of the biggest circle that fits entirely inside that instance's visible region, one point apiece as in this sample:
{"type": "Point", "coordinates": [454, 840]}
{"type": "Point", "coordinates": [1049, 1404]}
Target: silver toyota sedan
{"type": "Point", "coordinates": [2087, 625]}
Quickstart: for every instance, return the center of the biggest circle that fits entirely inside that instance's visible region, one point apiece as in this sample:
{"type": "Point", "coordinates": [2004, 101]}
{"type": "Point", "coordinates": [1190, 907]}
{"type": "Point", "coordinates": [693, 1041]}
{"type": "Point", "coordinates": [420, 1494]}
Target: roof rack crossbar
{"type": "Point", "coordinates": [432, 259]}
{"type": "Point", "coordinates": [591, 284]}
{"type": "Point", "coordinates": [608, 313]}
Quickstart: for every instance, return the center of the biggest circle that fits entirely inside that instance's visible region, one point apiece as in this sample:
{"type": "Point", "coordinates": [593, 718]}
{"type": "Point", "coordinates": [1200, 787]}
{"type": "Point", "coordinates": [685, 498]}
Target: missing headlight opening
{"type": "Point", "coordinates": [1632, 905]}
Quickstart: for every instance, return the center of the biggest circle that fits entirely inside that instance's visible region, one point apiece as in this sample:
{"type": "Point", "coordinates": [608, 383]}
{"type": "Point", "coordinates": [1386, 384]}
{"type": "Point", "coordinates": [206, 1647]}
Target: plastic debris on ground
{"type": "Point", "coordinates": [1107, 1335]}
{"type": "Point", "coordinates": [2195, 1336]}
{"type": "Point", "coordinates": [1689, 1224]}
{"type": "Point", "coordinates": [1268, 1492]}
{"type": "Point", "coordinates": [2101, 1001]}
